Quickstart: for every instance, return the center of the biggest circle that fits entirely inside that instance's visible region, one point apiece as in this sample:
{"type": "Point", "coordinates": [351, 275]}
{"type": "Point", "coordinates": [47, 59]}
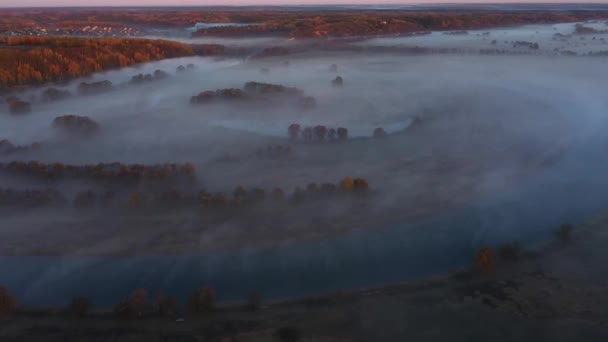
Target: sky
{"type": "Point", "coordinates": [28, 3]}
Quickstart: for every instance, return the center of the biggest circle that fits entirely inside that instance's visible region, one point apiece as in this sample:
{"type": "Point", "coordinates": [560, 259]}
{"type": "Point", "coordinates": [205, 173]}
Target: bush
{"type": "Point", "coordinates": [8, 303]}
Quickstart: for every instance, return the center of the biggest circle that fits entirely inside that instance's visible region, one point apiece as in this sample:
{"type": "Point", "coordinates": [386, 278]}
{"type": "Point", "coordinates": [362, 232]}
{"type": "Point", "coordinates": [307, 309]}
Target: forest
{"type": "Point", "coordinates": [38, 60]}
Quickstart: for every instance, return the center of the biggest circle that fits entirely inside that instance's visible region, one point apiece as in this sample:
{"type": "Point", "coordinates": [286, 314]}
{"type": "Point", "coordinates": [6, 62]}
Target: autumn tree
{"type": "Point", "coordinates": [320, 132]}
{"type": "Point", "coordinates": [331, 134]}
{"type": "Point", "coordinates": [165, 305]}
{"type": "Point", "coordinates": [19, 107]}
{"type": "Point", "coordinates": [139, 300]}
{"type": "Point", "coordinates": [294, 131]}
{"type": "Point", "coordinates": [485, 260]}
{"type": "Point", "coordinates": [308, 134]}
{"type": "Point", "coordinates": [379, 132]}
{"type": "Point", "coordinates": [360, 184]}
{"type": "Point", "coordinates": [347, 184]}
{"type": "Point", "coordinates": [342, 133]}
{"type": "Point", "coordinates": [8, 303]}
{"type": "Point", "coordinates": [80, 306]}
{"type": "Point", "coordinates": [202, 301]}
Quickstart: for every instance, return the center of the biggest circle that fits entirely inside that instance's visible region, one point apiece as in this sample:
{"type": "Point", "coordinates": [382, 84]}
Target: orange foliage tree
{"type": "Point", "coordinates": [31, 60]}
{"type": "Point", "coordinates": [8, 303]}
{"type": "Point", "coordinates": [485, 260]}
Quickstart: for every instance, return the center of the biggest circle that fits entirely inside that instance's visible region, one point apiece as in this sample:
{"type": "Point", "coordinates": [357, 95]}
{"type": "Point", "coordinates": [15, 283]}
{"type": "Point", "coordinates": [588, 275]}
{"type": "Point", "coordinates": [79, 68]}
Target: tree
{"type": "Point", "coordinates": [379, 132]}
{"type": "Point", "coordinates": [278, 194]}
{"type": "Point", "coordinates": [165, 305]}
{"type": "Point", "coordinates": [320, 132]}
{"type": "Point", "coordinates": [294, 131]}
{"type": "Point", "coordinates": [308, 134]}
{"type": "Point", "coordinates": [80, 306]}
{"type": "Point", "coordinates": [485, 261]}
{"type": "Point", "coordinates": [509, 252]}
{"type": "Point", "coordinates": [202, 301]}
{"type": "Point", "coordinates": [288, 334]}
{"type": "Point", "coordinates": [123, 309]}
{"type": "Point", "coordinates": [347, 184]}
{"type": "Point", "coordinates": [564, 233]}
{"type": "Point", "coordinates": [139, 300]}
{"type": "Point", "coordinates": [19, 107]}
{"type": "Point", "coordinates": [253, 302]}
{"type": "Point", "coordinates": [337, 82]}
{"type": "Point", "coordinates": [8, 303]}
{"type": "Point", "coordinates": [360, 184]}
{"type": "Point", "coordinates": [331, 134]}
{"type": "Point", "coordinates": [342, 134]}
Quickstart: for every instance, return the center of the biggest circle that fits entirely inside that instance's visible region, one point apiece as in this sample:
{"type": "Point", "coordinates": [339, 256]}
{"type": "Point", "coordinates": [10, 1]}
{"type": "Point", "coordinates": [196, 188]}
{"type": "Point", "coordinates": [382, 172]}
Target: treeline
{"type": "Point", "coordinates": [102, 171]}
{"type": "Point", "coordinates": [376, 23]}
{"type": "Point", "coordinates": [240, 198]}
{"type": "Point", "coordinates": [37, 60]}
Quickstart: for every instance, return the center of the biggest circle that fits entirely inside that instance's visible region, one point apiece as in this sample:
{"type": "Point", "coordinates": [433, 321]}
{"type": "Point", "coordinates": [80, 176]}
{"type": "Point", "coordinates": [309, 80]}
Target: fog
{"type": "Point", "coordinates": [460, 128]}
{"type": "Point", "coordinates": [480, 149]}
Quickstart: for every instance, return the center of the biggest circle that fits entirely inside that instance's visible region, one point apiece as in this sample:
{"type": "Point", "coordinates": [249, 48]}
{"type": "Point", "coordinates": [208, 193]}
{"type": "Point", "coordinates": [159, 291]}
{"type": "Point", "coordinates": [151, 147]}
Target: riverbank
{"type": "Point", "coordinates": [535, 297]}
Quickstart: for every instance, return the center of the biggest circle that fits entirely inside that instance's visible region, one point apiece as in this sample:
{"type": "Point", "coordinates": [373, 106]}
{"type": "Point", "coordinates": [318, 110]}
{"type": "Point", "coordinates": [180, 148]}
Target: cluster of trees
{"type": "Point", "coordinates": [318, 133]}
{"type": "Point", "coordinates": [29, 60]}
{"type": "Point", "coordinates": [274, 152]}
{"type": "Point", "coordinates": [530, 45]}
{"type": "Point", "coordinates": [100, 171]}
{"type": "Point", "coordinates": [17, 106]}
{"type": "Point", "coordinates": [144, 78]}
{"type": "Point", "coordinates": [31, 198]}
{"type": "Point", "coordinates": [181, 69]}
{"type": "Point", "coordinates": [76, 124]}
{"type": "Point", "coordinates": [269, 88]}
{"type": "Point", "coordinates": [54, 94]}
{"type": "Point", "coordinates": [7, 147]}
{"type": "Point", "coordinates": [352, 24]}
{"type": "Point", "coordinates": [256, 92]}
{"type": "Point", "coordinates": [85, 88]}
